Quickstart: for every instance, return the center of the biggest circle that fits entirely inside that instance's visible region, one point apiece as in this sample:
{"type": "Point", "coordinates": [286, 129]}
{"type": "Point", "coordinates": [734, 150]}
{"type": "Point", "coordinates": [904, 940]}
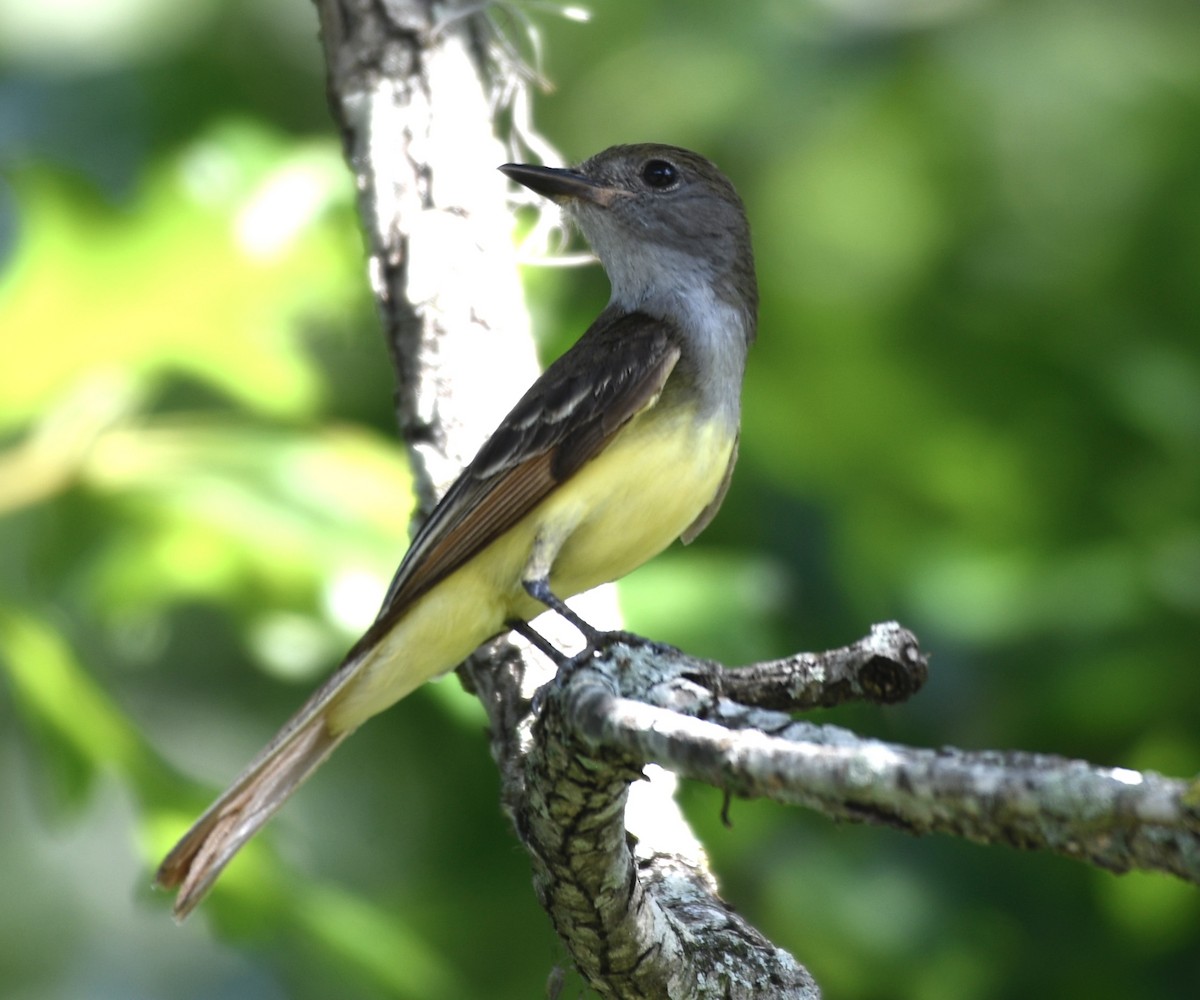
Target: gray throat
{"type": "Point", "coordinates": [715, 337]}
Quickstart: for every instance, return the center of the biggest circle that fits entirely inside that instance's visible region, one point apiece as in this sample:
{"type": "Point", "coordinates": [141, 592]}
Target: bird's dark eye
{"type": "Point", "coordinates": [659, 174]}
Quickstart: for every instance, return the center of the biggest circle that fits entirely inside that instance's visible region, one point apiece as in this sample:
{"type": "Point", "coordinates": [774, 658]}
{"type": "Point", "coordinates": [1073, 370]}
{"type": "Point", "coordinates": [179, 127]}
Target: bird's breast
{"type": "Point", "coordinates": [640, 494]}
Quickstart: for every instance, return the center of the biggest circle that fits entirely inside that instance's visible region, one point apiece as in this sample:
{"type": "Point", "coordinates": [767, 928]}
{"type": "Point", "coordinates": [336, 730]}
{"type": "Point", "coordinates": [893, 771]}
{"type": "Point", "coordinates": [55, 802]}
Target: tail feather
{"type": "Point", "coordinates": [196, 861]}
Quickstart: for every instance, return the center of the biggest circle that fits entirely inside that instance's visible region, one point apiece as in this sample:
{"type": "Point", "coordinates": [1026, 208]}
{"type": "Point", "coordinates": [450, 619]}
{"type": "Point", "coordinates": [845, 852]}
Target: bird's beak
{"type": "Point", "coordinates": [561, 185]}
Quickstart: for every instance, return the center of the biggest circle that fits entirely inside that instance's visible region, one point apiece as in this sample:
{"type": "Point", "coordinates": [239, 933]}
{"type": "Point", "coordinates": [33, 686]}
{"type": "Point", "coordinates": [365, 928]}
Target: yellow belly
{"type": "Point", "coordinates": [634, 500]}
{"type": "Point", "coordinates": [621, 509]}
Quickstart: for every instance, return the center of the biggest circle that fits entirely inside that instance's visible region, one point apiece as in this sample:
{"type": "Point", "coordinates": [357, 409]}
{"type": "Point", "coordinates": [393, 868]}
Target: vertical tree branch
{"type": "Point", "coordinates": [410, 97]}
{"type": "Point", "coordinates": [416, 123]}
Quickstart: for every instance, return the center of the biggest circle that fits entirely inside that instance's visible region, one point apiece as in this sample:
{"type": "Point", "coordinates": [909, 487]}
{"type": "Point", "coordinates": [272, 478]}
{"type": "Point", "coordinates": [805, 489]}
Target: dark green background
{"type": "Point", "coordinates": [974, 406]}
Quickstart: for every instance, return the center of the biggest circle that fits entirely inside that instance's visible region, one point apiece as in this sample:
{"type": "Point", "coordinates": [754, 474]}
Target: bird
{"type": "Point", "coordinates": [624, 444]}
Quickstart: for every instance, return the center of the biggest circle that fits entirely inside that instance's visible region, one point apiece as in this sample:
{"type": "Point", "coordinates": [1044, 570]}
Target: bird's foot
{"type": "Point", "coordinates": [603, 641]}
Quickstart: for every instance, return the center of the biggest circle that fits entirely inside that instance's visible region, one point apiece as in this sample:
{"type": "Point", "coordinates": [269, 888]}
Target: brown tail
{"type": "Point", "coordinates": [196, 861]}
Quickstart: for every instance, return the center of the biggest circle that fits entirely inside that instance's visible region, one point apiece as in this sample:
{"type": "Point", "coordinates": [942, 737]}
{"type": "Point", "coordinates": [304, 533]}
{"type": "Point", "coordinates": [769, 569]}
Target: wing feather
{"type": "Point", "coordinates": [619, 367]}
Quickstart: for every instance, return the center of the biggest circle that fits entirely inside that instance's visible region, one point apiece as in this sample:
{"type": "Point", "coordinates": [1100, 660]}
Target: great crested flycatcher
{"type": "Point", "coordinates": [624, 444]}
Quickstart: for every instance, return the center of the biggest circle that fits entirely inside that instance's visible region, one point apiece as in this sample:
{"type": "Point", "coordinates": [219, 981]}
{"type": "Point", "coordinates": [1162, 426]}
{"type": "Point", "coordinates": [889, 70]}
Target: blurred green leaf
{"type": "Point", "coordinates": [205, 274]}
{"type": "Point", "coordinates": [83, 732]}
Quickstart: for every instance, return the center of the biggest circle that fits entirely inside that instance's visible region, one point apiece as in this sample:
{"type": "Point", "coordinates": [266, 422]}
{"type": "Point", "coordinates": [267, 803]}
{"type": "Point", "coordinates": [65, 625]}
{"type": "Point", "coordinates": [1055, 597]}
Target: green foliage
{"type": "Point", "coordinates": [974, 406]}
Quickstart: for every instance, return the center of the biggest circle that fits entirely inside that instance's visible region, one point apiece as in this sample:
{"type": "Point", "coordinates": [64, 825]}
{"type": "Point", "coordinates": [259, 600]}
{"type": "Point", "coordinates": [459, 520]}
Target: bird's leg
{"type": "Point", "coordinates": [537, 585]}
{"type": "Point", "coordinates": [596, 640]}
{"type": "Point", "coordinates": [540, 591]}
{"type": "Point", "coordinates": [537, 640]}
{"type": "Point", "coordinates": [536, 581]}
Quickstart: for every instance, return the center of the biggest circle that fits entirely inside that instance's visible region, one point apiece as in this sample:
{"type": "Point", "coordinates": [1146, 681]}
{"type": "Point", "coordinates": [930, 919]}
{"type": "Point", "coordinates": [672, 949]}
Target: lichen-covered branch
{"type": "Point", "coordinates": [1115, 818]}
{"type": "Point", "coordinates": [416, 116]}
{"type": "Point", "coordinates": [639, 921]}
{"type": "Point", "coordinates": [884, 667]}
{"type": "Point", "coordinates": [643, 911]}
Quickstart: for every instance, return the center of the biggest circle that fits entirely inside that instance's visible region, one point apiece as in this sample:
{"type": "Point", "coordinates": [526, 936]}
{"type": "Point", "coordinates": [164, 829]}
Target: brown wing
{"type": "Point", "coordinates": [616, 369]}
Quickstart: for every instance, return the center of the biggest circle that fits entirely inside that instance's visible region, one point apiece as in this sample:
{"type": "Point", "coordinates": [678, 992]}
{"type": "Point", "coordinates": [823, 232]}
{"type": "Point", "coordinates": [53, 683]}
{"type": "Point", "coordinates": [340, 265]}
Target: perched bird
{"type": "Point", "coordinates": [624, 444]}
